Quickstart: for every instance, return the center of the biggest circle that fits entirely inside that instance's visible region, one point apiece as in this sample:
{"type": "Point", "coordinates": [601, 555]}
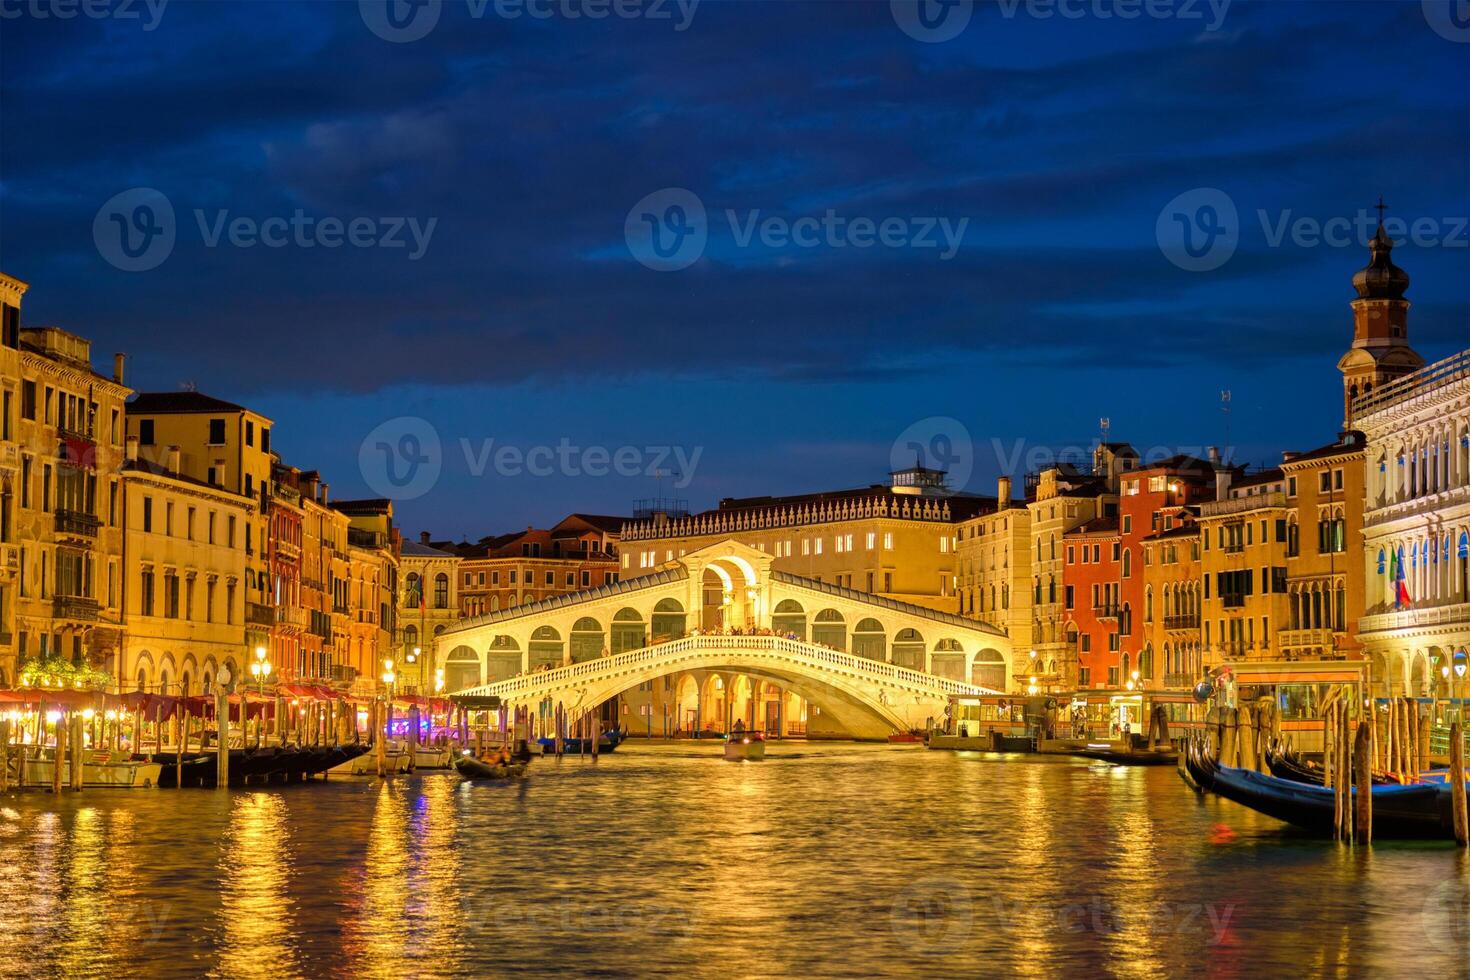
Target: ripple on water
{"type": "Point", "coordinates": [827, 860]}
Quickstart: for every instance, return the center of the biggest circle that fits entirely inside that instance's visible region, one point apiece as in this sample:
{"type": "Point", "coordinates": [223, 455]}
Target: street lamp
{"type": "Point", "coordinates": [260, 668]}
{"type": "Point", "coordinates": [1459, 676]}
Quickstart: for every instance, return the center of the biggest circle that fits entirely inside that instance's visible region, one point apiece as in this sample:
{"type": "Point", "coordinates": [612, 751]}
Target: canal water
{"type": "Point", "coordinates": [824, 860]}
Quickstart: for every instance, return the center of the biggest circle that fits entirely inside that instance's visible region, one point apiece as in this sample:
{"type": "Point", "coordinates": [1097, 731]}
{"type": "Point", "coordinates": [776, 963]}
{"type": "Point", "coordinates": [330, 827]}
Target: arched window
{"type": "Point", "coordinates": [412, 590]}
{"type": "Point", "coordinates": [1127, 562]}
{"type": "Point", "coordinates": [441, 591]}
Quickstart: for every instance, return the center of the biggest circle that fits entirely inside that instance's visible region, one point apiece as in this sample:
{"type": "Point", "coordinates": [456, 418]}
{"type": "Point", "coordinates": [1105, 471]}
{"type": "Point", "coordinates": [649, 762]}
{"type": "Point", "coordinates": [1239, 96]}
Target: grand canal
{"type": "Point", "coordinates": [828, 860]}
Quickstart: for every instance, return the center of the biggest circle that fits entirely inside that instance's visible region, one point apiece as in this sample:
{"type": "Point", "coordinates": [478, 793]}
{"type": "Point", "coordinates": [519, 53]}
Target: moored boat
{"type": "Point", "coordinates": [1416, 811]}
{"type": "Point", "coordinates": [1118, 755]}
{"type": "Point", "coordinates": [431, 757]}
{"type": "Point", "coordinates": [472, 768]}
{"type": "Point", "coordinates": [609, 742]}
{"type": "Point", "coordinates": [100, 768]}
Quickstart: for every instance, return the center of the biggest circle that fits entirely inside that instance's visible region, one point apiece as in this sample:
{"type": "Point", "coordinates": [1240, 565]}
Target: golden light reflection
{"type": "Point", "coordinates": [376, 939]}
{"type": "Point", "coordinates": [255, 883]}
{"type": "Point", "coordinates": [1033, 823]}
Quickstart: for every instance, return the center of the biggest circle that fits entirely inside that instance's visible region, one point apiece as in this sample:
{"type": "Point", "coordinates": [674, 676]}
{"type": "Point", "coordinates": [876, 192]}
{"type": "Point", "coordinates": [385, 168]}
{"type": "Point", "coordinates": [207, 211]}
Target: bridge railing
{"type": "Point", "coordinates": [838, 659]}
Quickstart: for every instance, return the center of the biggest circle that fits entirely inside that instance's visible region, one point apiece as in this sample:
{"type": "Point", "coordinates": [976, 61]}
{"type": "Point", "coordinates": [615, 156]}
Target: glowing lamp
{"type": "Point", "coordinates": [53, 716]}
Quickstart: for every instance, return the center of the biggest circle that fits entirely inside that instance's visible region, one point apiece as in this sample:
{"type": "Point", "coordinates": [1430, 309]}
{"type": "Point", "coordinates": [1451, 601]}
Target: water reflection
{"type": "Point", "coordinates": [256, 890]}
{"type": "Point", "coordinates": [825, 859]}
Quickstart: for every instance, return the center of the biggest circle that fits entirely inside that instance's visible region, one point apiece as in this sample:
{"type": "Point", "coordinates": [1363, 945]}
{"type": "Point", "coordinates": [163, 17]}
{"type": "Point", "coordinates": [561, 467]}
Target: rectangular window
{"type": "Point", "coordinates": [872, 542]}
{"type": "Point", "coordinates": [216, 432]}
{"type": "Point", "coordinates": [249, 433]}
{"type": "Point", "coordinates": [148, 514]}
{"type": "Point", "coordinates": [145, 593]}
{"type": "Point", "coordinates": [145, 432]}
{"type": "Point", "coordinates": [887, 540]}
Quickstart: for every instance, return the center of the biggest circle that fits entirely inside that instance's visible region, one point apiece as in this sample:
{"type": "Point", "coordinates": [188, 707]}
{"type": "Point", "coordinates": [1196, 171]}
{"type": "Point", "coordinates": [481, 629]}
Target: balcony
{"type": "Point", "coordinates": [1306, 639]}
{"type": "Point", "coordinates": [1179, 682]}
{"type": "Point", "coordinates": [1240, 505]}
{"type": "Point", "coordinates": [258, 614]}
{"type": "Point", "coordinates": [75, 607]}
{"type": "Point", "coordinates": [1450, 615]}
{"type": "Point", "coordinates": [76, 523]}
{"type": "Point", "coordinates": [1181, 622]}
{"type": "Point", "coordinates": [1106, 611]}
{"type": "Point", "coordinates": [290, 616]}
{"type": "Point", "coordinates": [1233, 601]}
{"type": "Point", "coordinates": [1233, 548]}
{"type": "Point", "coordinates": [343, 674]}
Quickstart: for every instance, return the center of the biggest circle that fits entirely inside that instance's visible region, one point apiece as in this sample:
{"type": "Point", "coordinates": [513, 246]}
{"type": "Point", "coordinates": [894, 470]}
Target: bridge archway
{"type": "Point", "coordinates": [869, 639]}
{"type": "Point", "coordinates": [989, 669]}
{"type": "Point", "coordinates": [462, 668]}
{"type": "Point", "coordinates": [629, 632]}
{"type": "Point", "coordinates": [829, 629]}
{"type": "Point", "coordinates": [587, 640]}
{"type": "Point", "coordinates": [546, 648]}
{"type": "Point", "coordinates": [788, 618]}
{"type": "Point", "coordinates": [908, 649]}
{"type": "Point", "coordinates": [668, 621]}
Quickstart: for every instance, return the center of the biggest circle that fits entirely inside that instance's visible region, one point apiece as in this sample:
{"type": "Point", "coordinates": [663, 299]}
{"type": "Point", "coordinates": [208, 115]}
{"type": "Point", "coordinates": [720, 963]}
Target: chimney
{"type": "Point", "coordinates": [1214, 453]}
{"type": "Point", "coordinates": [423, 537]}
{"type": "Point", "coordinates": [325, 487]}
{"type": "Point", "coordinates": [1002, 493]}
{"type": "Point", "coordinates": [132, 449]}
{"type": "Point", "coordinates": [117, 367]}
{"type": "Point", "coordinates": [173, 459]}
{"type": "Point", "coordinates": [1222, 483]}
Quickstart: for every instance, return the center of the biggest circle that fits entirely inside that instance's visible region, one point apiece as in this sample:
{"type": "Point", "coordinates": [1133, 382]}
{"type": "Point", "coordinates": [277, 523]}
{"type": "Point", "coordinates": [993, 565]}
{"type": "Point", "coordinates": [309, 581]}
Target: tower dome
{"type": "Point", "coordinates": [1380, 278]}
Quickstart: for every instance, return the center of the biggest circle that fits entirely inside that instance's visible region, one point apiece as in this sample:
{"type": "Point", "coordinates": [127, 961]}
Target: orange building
{"type": "Point", "coordinates": [511, 570]}
{"type": "Point", "coordinates": [1091, 592]}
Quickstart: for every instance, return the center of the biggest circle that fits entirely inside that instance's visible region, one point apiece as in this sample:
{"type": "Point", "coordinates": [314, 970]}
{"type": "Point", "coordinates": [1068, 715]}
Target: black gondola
{"type": "Point", "coordinates": [1124, 757]}
{"type": "Point", "coordinates": [471, 768]}
{"type": "Point", "coordinates": [1413, 811]}
{"type": "Point", "coordinates": [1285, 764]}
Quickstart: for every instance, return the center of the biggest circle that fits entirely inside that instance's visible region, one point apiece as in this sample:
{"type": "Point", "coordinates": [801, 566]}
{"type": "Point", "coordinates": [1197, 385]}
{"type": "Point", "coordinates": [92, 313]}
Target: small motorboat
{"type": "Point", "coordinates": [745, 748]}
{"type": "Point", "coordinates": [431, 757]}
{"type": "Point", "coordinates": [472, 768]}
{"type": "Point", "coordinates": [905, 738]}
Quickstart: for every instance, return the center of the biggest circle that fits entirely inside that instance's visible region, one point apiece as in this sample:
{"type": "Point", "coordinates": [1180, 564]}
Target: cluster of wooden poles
{"type": "Point", "coordinates": [1244, 733]}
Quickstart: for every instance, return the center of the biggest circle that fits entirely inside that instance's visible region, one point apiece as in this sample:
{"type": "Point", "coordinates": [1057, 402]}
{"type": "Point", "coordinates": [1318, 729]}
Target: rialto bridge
{"type": "Point", "coordinates": [717, 637]}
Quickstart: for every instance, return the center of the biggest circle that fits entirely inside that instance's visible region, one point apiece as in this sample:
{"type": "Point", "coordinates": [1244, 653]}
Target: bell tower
{"type": "Point", "coordinates": [1380, 350]}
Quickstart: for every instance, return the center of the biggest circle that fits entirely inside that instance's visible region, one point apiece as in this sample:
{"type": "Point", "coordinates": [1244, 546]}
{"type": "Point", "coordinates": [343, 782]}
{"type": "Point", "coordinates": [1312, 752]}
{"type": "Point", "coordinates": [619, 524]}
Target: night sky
{"type": "Point", "coordinates": [521, 147]}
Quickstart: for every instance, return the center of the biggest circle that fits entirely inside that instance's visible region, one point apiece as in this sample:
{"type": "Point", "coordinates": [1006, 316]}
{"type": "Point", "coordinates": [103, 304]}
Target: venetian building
{"type": "Point", "coordinates": [1416, 522]}
{"type": "Point", "coordinates": [995, 566]}
{"type": "Point", "coordinates": [373, 552]}
{"type": "Point", "coordinates": [1380, 351]}
{"type": "Point", "coordinates": [184, 569]}
{"type": "Point", "coordinates": [61, 450]}
{"type": "Point", "coordinates": [428, 603]}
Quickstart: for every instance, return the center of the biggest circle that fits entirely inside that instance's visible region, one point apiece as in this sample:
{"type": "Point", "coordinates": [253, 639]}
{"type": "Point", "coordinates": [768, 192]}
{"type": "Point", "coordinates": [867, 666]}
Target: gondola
{"type": "Point", "coordinates": [1285, 764]}
{"type": "Point", "coordinates": [1412, 812]}
{"type": "Point", "coordinates": [471, 768]}
{"type": "Point", "coordinates": [1125, 757]}
{"type": "Point", "coordinates": [609, 742]}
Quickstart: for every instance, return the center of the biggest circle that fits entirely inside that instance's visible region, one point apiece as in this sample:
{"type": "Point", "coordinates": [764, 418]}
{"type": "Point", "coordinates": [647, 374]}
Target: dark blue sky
{"type": "Point", "coordinates": [1057, 141]}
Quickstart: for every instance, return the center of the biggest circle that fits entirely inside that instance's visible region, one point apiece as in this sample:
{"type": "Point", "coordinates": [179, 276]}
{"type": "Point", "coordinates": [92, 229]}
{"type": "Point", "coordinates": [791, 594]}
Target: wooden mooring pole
{"type": "Point", "coordinates": [1459, 816]}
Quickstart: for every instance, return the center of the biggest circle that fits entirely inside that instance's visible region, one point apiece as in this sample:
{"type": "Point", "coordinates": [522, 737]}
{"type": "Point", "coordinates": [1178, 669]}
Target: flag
{"type": "Point", "coordinates": [1396, 575]}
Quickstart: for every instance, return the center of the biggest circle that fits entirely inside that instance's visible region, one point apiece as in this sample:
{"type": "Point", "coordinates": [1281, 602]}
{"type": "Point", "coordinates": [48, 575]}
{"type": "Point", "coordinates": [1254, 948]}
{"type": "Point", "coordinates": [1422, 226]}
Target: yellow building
{"type": "Point", "coordinates": [1172, 576]}
{"type": "Point", "coordinates": [1324, 547]}
{"type": "Point", "coordinates": [896, 540]}
{"type": "Point", "coordinates": [1243, 537]}
{"type": "Point", "coordinates": [428, 604]}
{"type": "Point", "coordinates": [223, 445]}
{"type": "Point", "coordinates": [184, 570]}
{"type": "Point", "coordinates": [61, 446]}
{"type": "Point", "coordinates": [372, 590]}
{"type": "Point", "coordinates": [995, 567]}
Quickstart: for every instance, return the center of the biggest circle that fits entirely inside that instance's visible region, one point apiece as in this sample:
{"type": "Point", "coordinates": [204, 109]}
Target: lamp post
{"type": "Point", "coordinates": [1459, 676]}
{"type": "Point", "coordinates": [260, 669]}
